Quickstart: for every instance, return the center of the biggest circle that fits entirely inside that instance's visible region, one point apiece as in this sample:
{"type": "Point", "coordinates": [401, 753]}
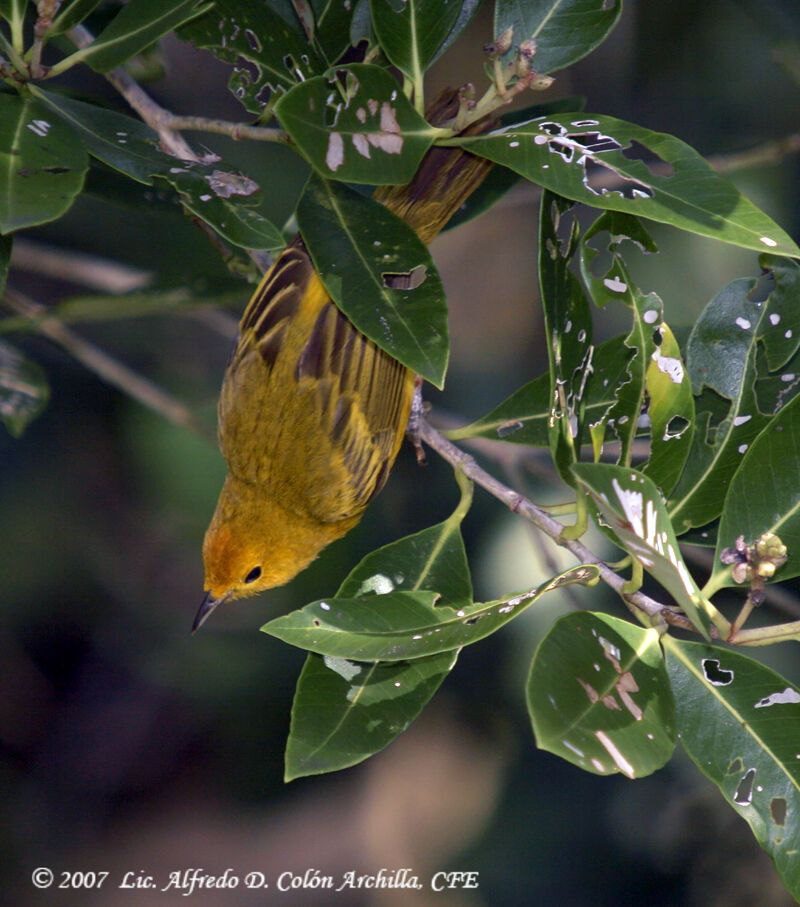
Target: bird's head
{"type": "Point", "coordinates": [253, 543]}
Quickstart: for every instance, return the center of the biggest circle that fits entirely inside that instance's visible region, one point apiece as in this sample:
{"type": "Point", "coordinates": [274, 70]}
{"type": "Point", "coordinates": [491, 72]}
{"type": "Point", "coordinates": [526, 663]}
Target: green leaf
{"type": "Point", "coordinates": [432, 559]}
{"type": "Point", "coordinates": [24, 390]}
{"type": "Point", "coordinates": [412, 31]}
{"type": "Point", "coordinates": [42, 164]}
{"type": "Point", "coordinates": [564, 30]}
{"type": "Point", "coordinates": [398, 626]}
{"type": "Point", "coordinates": [136, 26]}
{"type": "Point", "coordinates": [208, 196]}
{"type": "Point", "coordinates": [466, 13]}
{"type": "Point", "coordinates": [655, 368]}
{"type": "Point", "coordinates": [345, 711]}
{"type": "Point", "coordinates": [594, 159]}
{"type": "Point", "coordinates": [740, 723]}
{"type": "Point", "coordinates": [779, 327]}
{"type": "Point", "coordinates": [358, 246]}
{"type": "Point", "coordinates": [671, 412]}
{"type": "Point", "coordinates": [764, 494]}
{"type": "Point", "coordinates": [501, 179]}
{"type": "Point", "coordinates": [599, 697]}
{"type": "Point", "coordinates": [720, 355]}
{"type": "Point", "coordinates": [71, 14]}
{"type": "Point", "coordinates": [332, 32]}
{"type": "Point", "coordinates": [568, 329]}
{"type": "Point", "coordinates": [122, 142]}
{"type": "Point", "coordinates": [267, 54]}
{"type": "Point", "coordinates": [13, 11]}
{"type": "Point", "coordinates": [355, 125]}
{"type": "Point", "coordinates": [635, 511]}
{"type": "Point", "coordinates": [612, 285]}
{"type": "Point", "coordinates": [523, 417]}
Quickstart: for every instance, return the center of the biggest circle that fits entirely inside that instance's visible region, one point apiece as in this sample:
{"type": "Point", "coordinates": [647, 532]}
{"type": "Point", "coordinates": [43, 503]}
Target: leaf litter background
{"type": "Point", "coordinates": [128, 745]}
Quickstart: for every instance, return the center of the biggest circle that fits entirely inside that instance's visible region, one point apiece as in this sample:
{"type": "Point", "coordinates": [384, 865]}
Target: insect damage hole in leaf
{"type": "Point", "coordinates": [405, 280]}
{"type": "Point", "coordinates": [777, 809]}
{"type": "Point", "coordinates": [656, 164]}
{"type": "Point", "coordinates": [715, 674]}
{"type": "Point", "coordinates": [744, 789]}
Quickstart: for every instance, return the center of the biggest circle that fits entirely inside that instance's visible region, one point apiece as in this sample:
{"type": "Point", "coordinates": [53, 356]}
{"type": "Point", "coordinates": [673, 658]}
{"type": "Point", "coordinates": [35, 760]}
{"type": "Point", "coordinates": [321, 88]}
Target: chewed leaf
{"type": "Point", "coordinates": [740, 723]}
{"type": "Point", "coordinates": [599, 697]}
{"type": "Point", "coordinates": [431, 559]}
{"type": "Point", "coordinates": [355, 124]}
{"type": "Point", "coordinates": [42, 164]}
{"type": "Point", "coordinates": [568, 329]}
{"type": "Point", "coordinates": [721, 354]}
{"type": "Point", "coordinates": [523, 418]}
{"type": "Point", "coordinates": [635, 511]}
{"type": "Point", "coordinates": [671, 411]}
{"type": "Point", "coordinates": [615, 284]}
{"type": "Point", "coordinates": [398, 626]}
{"type": "Point", "coordinates": [268, 56]}
{"type": "Point", "coordinates": [345, 711]}
{"type": "Point", "coordinates": [355, 243]}
{"type": "Point", "coordinates": [608, 163]}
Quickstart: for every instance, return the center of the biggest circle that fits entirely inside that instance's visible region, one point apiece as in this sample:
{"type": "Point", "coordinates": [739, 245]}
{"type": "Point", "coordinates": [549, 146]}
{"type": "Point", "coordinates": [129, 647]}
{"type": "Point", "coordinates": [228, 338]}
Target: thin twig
{"type": "Point", "coordinates": [517, 503]}
{"type": "Point", "coordinates": [89, 271]}
{"type": "Point", "coordinates": [166, 123]}
{"type": "Point", "coordinates": [99, 362]}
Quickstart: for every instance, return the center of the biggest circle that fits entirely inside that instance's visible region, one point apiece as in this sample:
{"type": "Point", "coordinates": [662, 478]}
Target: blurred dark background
{"type": "Point", "coordinates": [127, 745]}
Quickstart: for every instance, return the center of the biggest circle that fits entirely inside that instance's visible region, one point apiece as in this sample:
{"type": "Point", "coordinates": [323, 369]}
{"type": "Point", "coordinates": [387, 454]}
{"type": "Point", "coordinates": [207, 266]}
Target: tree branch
{"type": "Point", "coordinates": [108, 368]}
{"type": "Point", "coordinates": [517, 503]}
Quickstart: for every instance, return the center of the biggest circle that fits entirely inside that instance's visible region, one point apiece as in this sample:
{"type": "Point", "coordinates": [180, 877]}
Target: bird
{"type": "Point", "coordinates": [312, 413]}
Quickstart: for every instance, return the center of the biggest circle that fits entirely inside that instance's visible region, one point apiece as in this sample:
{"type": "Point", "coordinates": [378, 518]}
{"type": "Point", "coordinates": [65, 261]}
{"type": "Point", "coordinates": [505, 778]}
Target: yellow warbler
{"type": "Point", "coordinates": [312, 413]}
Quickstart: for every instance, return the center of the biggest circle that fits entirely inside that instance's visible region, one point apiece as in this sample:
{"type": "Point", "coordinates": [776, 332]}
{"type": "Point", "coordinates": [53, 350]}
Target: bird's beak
{"type": "Point", "coordinates": [204, 612]}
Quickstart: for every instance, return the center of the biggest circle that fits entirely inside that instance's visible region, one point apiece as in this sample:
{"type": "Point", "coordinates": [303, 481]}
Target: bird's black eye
{"type": "Point", "coordinates": [253, 575]}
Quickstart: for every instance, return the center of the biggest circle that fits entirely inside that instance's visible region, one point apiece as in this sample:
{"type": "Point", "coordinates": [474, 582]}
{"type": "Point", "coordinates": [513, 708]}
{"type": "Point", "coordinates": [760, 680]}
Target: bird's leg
{"type": "Point", "coordinates": [418, 409]}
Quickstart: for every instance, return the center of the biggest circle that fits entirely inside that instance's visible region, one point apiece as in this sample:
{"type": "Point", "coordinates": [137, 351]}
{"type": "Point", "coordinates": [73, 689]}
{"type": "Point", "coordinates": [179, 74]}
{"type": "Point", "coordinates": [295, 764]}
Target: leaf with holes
{"type": "Point", "coordinates": [740, 723]}
{"type": "Point", "coordinates": [599, 697]}
{"type": "Point", "coordinates": [362, 252]}
{"type": "Point", "coordinates": [616, 285]}
{"type": "Point", "coordinates": [399, 626]}
{"type": "Point", "coordinates": [355, 125]}
{"type": "Point", "coordinates": [671, 412]}
{"type": "Point", "coordinates": [564, 30]}
{"type": "Point", "coordinates": [42, 164]}
{"type": "Point", "coordinates": [523, 417]}
{"type": "Point", "coordinates": [344, 711]}
{"type": "Point", "coordinates": [411, 32]}
{"type": "Point", "coordinates": [120, 141]}
{"type": "Point", "coordinates": [568, 328]}
{"type": "Point", "coordinates": [268, 55]}
{"type": "Point", "coordinates": [635, 511]}
{"type": "Point", "coordinates": [721, 355]}
{"type": "Point", "coordinates": [209, 197]}
{"type": "Point", "coordinates": [24, 390]}
{"type": "Point", "coordinates": [501, 179]}
{"type": "Point", "coordinates": [136, 26]}
{"type": "Point", "coordinates": [608, 163]}
{"type": "Point", "coordinates": [764, 495]}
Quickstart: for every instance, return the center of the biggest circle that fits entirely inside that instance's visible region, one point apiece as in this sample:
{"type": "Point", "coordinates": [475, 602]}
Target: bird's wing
{"type": "Point", "coordinates": [310, 408]}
